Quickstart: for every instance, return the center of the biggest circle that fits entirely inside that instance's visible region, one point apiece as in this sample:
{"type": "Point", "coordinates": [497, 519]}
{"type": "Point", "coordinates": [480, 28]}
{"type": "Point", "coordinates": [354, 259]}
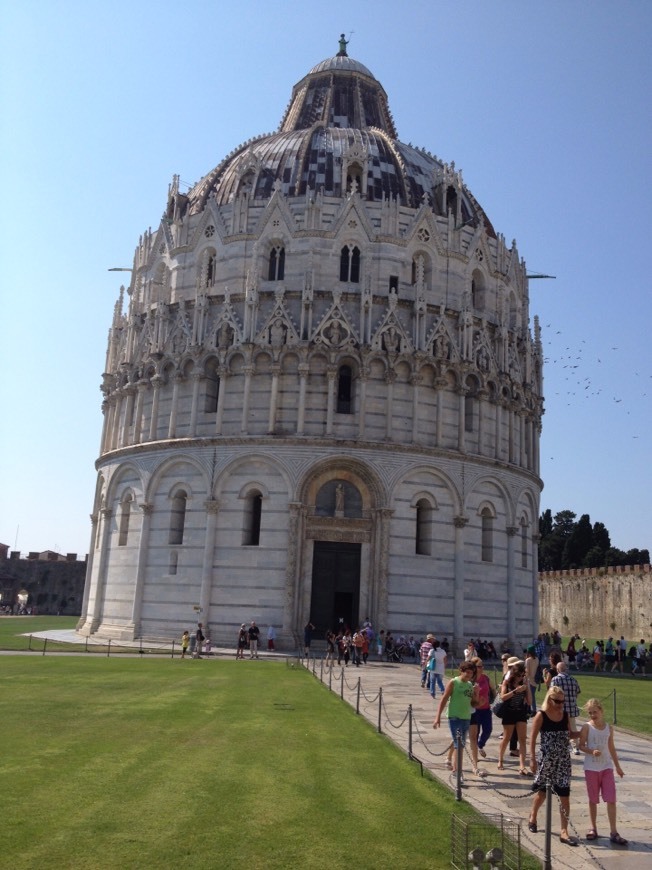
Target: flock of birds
{"type": "Point", "coordinates": [583, 377]}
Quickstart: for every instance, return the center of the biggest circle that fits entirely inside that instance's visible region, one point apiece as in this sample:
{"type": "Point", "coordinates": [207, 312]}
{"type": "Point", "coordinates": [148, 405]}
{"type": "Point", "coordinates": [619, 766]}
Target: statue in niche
{"type": "Point", "coordinates": [335, 336]}
{"type": "Point", "coordinates": [442, 347]}
{"type": "Point", "coordinates": [339, 500]}
{"type": "Point", "coordinates": [391, 339]}
{"type": "Point", "coordinates": [224, 336]}
{"type": "Point", "coordinates": [277, 333]}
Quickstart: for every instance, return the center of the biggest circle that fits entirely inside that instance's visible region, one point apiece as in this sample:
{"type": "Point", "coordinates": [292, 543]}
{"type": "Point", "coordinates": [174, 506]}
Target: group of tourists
{"type": "Point", "coordinates": [470, 700]}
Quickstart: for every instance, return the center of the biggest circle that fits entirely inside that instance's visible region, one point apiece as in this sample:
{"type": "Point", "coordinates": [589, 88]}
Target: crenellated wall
{"type": "Point", "coordinates": [597, 602]}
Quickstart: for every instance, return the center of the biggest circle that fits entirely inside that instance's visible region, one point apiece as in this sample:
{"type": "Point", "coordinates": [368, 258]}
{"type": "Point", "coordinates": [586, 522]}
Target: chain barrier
{"type": "Point", "coordinates": [389, 721]}
{"type": "Point", "coordinates": [415, 725]}
{"type": "Point", "coordinates": [574, 830]}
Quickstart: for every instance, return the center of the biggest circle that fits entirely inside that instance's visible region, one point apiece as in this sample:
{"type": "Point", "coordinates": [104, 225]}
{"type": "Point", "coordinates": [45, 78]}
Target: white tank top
{"type": "Point", "coordinates": [598, 739]}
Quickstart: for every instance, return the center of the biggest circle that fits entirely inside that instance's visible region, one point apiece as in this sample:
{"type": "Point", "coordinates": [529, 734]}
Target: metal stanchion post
{"type": "Point", "coordinates": [547, 854]}
{"type": "Point", "coordinates": [108, 649]}
{"type": "Point", "coordinates": [45, 643]}
{"type": "Point", "coordinates": [342, 684]}
{"type": "Point", "coordinates": [410, 731]}
{"type": "Point", "coordinates": [172, 656]}
{"type": "Point", "coordinates": [615, 712]}
{"type": "Point", "coordinates": [380, 709]}
{"type": "Point", "coordinates": [458, 772]}
{"type": "Point", "coordinates": [357, 699]}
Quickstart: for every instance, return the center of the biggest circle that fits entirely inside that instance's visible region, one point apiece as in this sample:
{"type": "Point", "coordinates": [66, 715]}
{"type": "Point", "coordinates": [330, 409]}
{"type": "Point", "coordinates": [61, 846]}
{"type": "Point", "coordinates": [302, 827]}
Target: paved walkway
{"type": "Point", "coordinates": [506, 792]}
{"type": "Point", "coordinates": [500, 792]}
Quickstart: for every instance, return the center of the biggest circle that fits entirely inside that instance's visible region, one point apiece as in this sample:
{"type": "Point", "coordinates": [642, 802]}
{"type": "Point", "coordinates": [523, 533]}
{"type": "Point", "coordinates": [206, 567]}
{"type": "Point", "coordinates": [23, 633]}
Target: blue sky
{"type": "Point", "coordinates": [544, 106]}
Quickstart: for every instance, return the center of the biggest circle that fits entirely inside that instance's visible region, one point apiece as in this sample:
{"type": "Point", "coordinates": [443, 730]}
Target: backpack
{"type": "Point", "coordinates": [538, 676]}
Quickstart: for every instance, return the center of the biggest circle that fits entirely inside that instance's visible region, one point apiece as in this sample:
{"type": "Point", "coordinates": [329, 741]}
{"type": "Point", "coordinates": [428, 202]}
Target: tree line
{"type": "Point", "coordinates": [565, 542]}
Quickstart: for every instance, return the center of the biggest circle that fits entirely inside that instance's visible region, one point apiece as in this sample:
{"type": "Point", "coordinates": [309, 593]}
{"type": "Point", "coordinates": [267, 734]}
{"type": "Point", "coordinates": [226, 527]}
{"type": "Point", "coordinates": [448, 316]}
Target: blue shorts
{"type": "Point", "coordinates": [461, 725]}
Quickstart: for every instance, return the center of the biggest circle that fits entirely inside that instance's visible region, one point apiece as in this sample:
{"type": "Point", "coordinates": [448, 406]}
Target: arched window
{"type": "Point", "coordinates": [178, 517]}
{"type": "Point", "coordinates": [276, 270]}
{"type": "Point", "coordinates": [350, 264]}
{"type": "Point", "coordinates": [345, 390]}
{"type": "Point", "coordinates": [210, 270]}
{"type": "Point", "coordinates": [469, 412]}
{"type": "Point", "coordinates": [487, 535]}
{"type": "Point", "coordinates": [478, 291]}
{"type": "Point", "coordinates": [524, 543]}
{"type": "Point", "coordinates": [252, 518]}
{"type": "Point", "coordinates": [423, 537]}
{"type": "Point", "coordinates": [212, 388]}
{"type": "Point", "coordinates": [125, 515]}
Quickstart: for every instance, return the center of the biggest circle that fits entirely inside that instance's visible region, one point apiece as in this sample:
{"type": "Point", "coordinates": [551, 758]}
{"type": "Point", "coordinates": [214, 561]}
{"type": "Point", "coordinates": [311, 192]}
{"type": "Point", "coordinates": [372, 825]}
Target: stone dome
{"type": "Point", "coordinates": [339, 110]}
{"type": "Point", "coordinates": [322, 399]}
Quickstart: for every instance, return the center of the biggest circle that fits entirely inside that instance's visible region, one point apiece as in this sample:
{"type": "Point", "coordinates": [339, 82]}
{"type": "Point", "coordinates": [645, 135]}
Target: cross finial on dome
{"type": "Point", "coordinates": [343, 44]}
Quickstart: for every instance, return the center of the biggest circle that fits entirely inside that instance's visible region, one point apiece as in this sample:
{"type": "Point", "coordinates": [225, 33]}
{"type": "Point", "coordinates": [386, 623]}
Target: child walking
{"type": "Point", "coordinates": [185, 640]}
{"type": "Point", "coordinates": [600, 761]}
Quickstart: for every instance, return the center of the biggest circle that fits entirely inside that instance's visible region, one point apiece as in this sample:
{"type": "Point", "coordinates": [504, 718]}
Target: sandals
{"type": "Point", "coordinates": [592, 834]}
{"type": "Point", "coordinates": [532, 827]}
{"type": "Point", "coordinates": [568, 841]}
{"type": "Point", "coordinates": [482, 753]}
{"type": "Point", "coordinates": [449, 765]}
{"type": "Point", "coordinates": [501, 767]}
{"type": "Point", "coordinates": [618, 840]}
{"type": "Point", "coordinates": [479, 772]}
{"type": "Point", "coordinates": [525, 772]}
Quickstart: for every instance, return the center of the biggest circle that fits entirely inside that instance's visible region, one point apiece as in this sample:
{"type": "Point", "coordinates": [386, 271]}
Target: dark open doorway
{"type": "Point", "coordinates": [335, 600]}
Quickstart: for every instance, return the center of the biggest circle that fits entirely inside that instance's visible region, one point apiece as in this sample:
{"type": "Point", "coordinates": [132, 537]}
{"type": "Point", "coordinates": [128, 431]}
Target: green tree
{"type": "Point", "coordinates": [601, 537]}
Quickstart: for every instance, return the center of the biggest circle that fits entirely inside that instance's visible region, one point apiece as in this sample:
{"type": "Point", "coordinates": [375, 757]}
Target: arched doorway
{"type": "Point", "coordinates": [335, 599]}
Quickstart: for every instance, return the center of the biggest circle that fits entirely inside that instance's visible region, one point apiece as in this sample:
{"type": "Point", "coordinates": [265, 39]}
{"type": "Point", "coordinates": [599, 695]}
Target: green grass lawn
{"type": "Point", "coordinates": [159, 763]}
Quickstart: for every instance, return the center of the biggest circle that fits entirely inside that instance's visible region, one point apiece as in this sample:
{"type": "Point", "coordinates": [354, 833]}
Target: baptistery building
{"type": "Point", "coordinates": [322, 397]}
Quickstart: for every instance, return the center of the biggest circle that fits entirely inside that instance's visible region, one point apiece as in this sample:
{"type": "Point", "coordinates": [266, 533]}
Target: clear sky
{"type": "Point", "coordinates": [544, 106]}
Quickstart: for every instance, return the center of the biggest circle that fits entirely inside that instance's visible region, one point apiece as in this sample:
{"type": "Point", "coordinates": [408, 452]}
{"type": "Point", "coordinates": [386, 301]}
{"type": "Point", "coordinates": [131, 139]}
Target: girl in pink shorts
{"type": "Point", "coordinates": [600, 761]}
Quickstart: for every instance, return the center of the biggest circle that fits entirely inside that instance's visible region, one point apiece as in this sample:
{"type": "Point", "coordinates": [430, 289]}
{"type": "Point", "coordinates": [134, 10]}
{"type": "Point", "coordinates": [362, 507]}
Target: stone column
{"type": "Point", "coordinates": [512, 531]}
{"type": "Point", "coordinates": [331, 375]}
{"type": "Point", "coordinates": [102, 567]}
{"type": "Point", "coordinates": [129, 415]}
{"type": "Point", "coordinates": [89, 574]}
{"type": "Point", "coordinates": [197, 378]}
{"type": "Point", "coordinates": [461, 424]}
{"type": "Point", "coordinates": [106, 414]}
{"type": "Point", "coordinates": [293, 580]}
{"type": "Point", "coordinates": [115, 423]}
{"type": "Point", "coordinates": [138, 420]}
{"type": "Point", "coordinates": [212, 509]}
{"type": "Point", "coordinates": [390, 378]}
{"type": "Point", "coordinates": [522, 428]}
{"type": "Point", "coordinates": [143, 549]}
{"type": "Point", "coordinates": [362, 404]}
{"type": "Point", "coordinates": [510, 435]}
{"type": "Point", "coordinates": [481, 398]}
{"type": "Point", "coordinates": [219, 416]}
{"type": "Point", "coordinates": [153, 423]}
{"type": "Point", "coordinates": [498, 429]}
{"type": "Point", "coordinates": [304, 368]}
{"type": "Point", "coordinates": [535, 584]}
{"type": "Point", "coordinates": [379, 566]}
{"type": "Point", "coordinates": [273, 399]}
{"type": "Point", "coordinates": [172, 426]}
{"type": "Point", "coordinates": [440, 384]}
{"type": "Point", "coordinates": [416, 380]}
{"type": "Point", "coordinates": [458, 603]}
{"type": "Point", "coordinates": [244, 423]}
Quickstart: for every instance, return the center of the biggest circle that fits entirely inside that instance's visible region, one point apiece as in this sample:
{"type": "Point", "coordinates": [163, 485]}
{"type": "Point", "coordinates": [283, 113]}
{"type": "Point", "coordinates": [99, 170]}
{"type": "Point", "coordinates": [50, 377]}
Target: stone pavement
{"type": "Point", "coordinates": [500, 792]}
{"type": "Point", "coordinates": [506, 791]}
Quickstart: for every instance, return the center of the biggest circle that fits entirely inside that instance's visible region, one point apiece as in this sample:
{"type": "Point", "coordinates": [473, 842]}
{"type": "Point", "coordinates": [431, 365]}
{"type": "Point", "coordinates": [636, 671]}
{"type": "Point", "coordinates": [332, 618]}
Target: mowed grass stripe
{"type": "Point", "coordinates": [130, 763]}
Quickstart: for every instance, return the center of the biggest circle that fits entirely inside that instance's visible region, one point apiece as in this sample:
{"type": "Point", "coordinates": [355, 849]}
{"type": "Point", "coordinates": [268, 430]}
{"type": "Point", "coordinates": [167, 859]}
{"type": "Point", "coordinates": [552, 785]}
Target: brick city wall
{"type": "Point", "coordinates": [54, 585]}
{"type": "Point", "coordinates": [597, 602]}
